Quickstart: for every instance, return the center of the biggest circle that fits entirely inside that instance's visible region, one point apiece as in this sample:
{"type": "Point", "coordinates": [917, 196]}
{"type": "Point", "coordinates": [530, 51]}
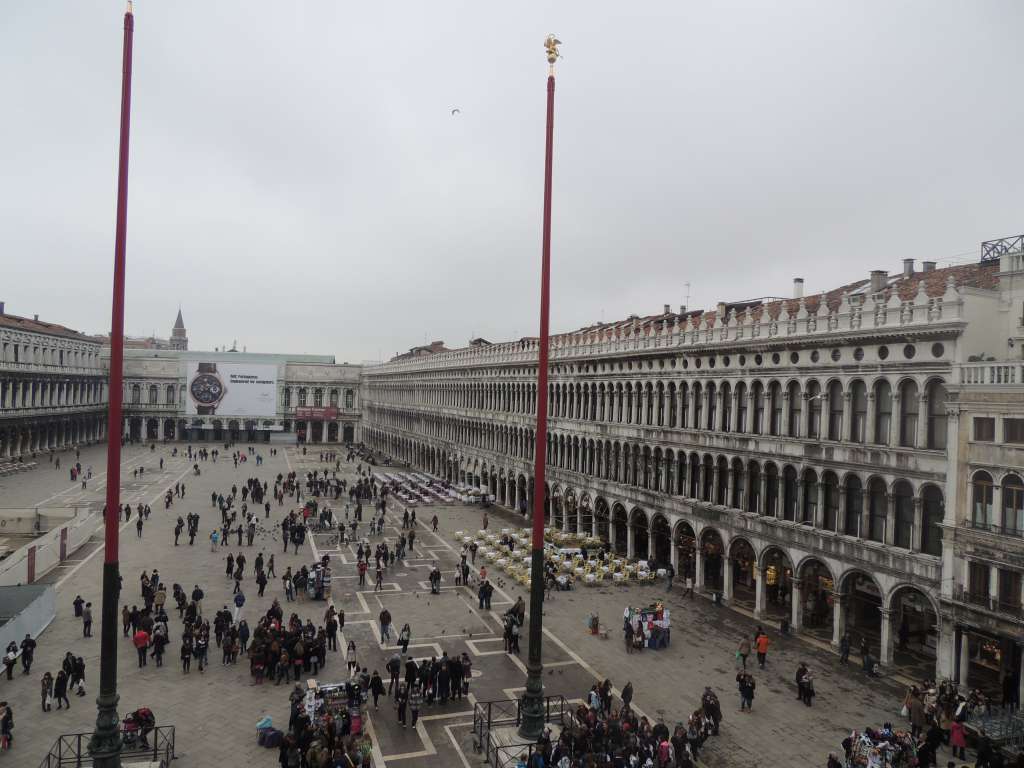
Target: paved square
{"type": "Point", "coordinates": [215, 713]}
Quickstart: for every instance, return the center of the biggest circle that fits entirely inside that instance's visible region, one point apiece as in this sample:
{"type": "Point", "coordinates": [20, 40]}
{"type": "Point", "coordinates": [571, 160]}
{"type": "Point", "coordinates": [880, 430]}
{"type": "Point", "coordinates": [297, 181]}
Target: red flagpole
{"type": "Point", "coordinates": [105, 746]}
{"type": "Point", "coordinates": [532, 707]}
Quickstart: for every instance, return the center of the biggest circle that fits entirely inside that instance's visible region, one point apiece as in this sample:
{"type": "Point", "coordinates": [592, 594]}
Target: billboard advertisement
{"type": "Point", "coordinates": [221, 388]}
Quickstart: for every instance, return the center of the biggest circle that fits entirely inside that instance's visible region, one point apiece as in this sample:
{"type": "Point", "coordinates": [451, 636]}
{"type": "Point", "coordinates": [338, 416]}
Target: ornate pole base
{"type": "Point", "coordinates": [531, 707]}
{"type": "Point", "coordinates": [105, 745]}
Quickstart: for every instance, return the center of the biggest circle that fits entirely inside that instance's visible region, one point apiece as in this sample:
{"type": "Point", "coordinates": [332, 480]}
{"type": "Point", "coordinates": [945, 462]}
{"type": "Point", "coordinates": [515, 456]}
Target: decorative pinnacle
{"type": "Point", "coordinates": [130, 8]}
{"type": "Point", "coordinates": [551, 44]}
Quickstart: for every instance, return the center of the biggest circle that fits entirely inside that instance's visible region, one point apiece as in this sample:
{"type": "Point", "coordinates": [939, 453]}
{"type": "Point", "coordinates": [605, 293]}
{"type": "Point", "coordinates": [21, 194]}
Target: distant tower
{"type": "Point", "coordinates": [179, 339]}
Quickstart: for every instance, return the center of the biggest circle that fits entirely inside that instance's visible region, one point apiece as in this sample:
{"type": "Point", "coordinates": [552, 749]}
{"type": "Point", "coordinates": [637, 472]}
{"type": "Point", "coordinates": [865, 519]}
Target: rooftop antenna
{"type": "Point", "coordinates": [687, 295]}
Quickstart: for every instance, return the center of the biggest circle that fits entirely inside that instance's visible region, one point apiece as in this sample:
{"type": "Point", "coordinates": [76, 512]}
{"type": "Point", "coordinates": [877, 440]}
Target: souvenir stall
{"type": "Point", "coordinates": [318, 586]}
{"type": "Point", "coordinates": [330, 702]}
{"type": "Point", "coordinates": [651, 626]}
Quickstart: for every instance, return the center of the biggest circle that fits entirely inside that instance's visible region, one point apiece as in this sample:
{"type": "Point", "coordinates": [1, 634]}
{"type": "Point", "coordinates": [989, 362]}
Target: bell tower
{"type": "Point", "coordinates": [179, 339]}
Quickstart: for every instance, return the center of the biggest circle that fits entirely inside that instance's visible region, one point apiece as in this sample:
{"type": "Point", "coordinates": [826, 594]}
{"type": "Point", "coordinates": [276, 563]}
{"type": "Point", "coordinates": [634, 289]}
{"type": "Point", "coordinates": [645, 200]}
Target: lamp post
{"type": "Point", "coordinates": [532, 706]}
{"type": "Point", "coordinates": [105, 745]}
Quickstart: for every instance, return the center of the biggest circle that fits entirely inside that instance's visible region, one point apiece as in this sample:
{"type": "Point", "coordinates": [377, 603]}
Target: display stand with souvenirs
{"type": "Point", "coordinates": [328, 704]}
{"type": "Point", "coordinates": [651, 626]}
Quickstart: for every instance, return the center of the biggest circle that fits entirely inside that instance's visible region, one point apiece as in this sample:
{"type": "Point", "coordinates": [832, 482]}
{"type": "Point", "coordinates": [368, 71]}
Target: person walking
{"type": "Point", "coordinates": [415, 703]}
{"type": "Point", "coordinates": [761, 643]}
{"type": "Point", "coordinates": [28, 652]}
{"type": "Point", "coordinates": [844, 648]}
{"type": "Point", "coordinates": [403, 638]}
{"type": "Point", "coordinates": [239, 602]}
{"type": "Point", "coordinates": [745, 682]}
{"type": "Point", "coordinates": [47, 691]}
{"type": "Point", "coordinates": [350, 658]}
{"type": "Point", "coordinates": [376, 687]}
{"type": "Point", "coordinates": [958, 739]}
{"type": "Point", "coordinates": [138, 526]}
{"type": "Point", "coordinates": [743, 651]}
{"type": "Point", "coordinates": [141, 642]}
{"type": "Point", "coordinates": [401, 701]}
{"type": "Point", "coordinates": [60, 690]}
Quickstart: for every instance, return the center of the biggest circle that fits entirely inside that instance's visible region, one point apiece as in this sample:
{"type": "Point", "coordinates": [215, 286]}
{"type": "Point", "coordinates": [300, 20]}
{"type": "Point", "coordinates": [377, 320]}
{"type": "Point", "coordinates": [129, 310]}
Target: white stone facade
{"type": "Point", "coordinates": [52, 387]}
{"type": "Point", "coordinates": [791, 455]}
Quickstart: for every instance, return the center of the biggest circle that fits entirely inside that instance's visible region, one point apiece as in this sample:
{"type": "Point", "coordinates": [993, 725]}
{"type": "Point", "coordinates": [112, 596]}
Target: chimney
{"type": "Point", "coordinates": [36, 318]}
{"type": "Point", "coordinates": [682, 309]}
{"type": "Point", "coordinates": [908, 267]}
{"type": "Point", "coordinates": [1, 307]}
{"type": "Point", "coordinates": [927, 266]}
{"type": "Point", "coordinates": [720, 310]}
{"type": "Point", "coordinates": [798, 287]}
{"type": "Point", "coordinates": [878, 279]}
{"type": "Point", "coordinates": [668, 308]}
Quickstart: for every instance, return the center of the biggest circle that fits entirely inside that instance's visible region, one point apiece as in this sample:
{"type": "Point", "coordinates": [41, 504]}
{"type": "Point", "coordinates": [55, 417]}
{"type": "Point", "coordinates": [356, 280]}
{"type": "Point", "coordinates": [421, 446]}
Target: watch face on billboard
{"type": "Point", "coordinates": [217, 387]}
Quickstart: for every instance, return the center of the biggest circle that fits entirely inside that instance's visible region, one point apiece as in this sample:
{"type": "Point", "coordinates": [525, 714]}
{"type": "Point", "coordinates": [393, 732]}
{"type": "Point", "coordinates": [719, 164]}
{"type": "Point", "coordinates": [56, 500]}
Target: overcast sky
{"type": "Point", "coordinates": [298, 181]}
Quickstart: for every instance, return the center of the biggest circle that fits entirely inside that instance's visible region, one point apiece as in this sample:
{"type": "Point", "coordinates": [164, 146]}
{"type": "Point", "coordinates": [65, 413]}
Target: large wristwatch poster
{"type": "Point", "coordinates": [219, 388]}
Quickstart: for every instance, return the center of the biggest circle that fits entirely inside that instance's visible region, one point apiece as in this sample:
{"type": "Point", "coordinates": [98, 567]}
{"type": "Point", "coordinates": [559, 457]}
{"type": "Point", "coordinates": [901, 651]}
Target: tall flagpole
{"type": "Point", "coordinates": [532, 706]}
{"type": "Point", "coordinates": [105, 745]}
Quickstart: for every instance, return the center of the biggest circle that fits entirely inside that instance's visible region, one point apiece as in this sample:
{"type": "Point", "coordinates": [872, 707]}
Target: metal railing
{"type": "Point", "coordinates": [1009, 609]}
{"type": "Point", "coordinates": [73, 749]}
{"type": "Point", "coordinates": [991, 250]}
{"type": "Point", "coordinates": [1002, 530]}
{"type": "Point", "coordinates": [507, 713]}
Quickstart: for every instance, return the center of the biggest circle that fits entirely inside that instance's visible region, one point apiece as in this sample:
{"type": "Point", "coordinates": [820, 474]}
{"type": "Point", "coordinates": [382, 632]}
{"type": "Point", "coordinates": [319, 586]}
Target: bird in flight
{"type": "Point", "coordinates": [456, 111]}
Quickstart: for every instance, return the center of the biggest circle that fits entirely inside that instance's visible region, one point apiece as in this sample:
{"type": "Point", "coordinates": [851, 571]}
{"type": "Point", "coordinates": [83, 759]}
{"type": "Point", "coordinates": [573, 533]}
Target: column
{"type": "Point", "coordinates": [715, 473]}
{"type": "Point", "coordinates": [841, 514]}
{"type": "Point", "coordinates": [630, 543]}
{"type": "Point", "coordinates": [885, 652]}
{"type": "Point", "coordinates": [823, 417]}
{"type": "Point", "coordinates": [965, 657]}
{"type": "Point", "coordinates": [839, 601]}
{"type": "Point", "coordinates": [727, 566]}
{"type": "Point", "coordinates": [796, 600]}
{"type": "Point", "coordinates": [753, 424]}
{"type": "Point", "coordinates": [945, 651]}
{"type": "Point", "coordinates": [673, 556]}
{"type": "Point", "coordinates": [734, 412]}
{"type": "Point", "coordinates": [1020, 679]}
{"type": "Point", "coordinates": [611, 533]}
{"type": "Point", "coordinates": [798, 508]}
{"type": "Point", "coordinates": [759, 591]}
{"type": "Point", "coordinates": [917, 530]}
{"type": "Point", "coordinates": [764, 492]}
{"type": "Point", "coordinates": [700, 480]}
{"type": "Point", "coordinates": [698, 566]}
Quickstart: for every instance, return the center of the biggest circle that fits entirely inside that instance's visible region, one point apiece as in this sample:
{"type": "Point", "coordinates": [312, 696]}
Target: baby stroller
{"type": "Point", "coordinates": [136, 726]}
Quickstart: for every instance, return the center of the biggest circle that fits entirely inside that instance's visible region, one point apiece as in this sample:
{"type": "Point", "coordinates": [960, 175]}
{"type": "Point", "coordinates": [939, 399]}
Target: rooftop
{"type": "Point", "coordinates": [35, 325]}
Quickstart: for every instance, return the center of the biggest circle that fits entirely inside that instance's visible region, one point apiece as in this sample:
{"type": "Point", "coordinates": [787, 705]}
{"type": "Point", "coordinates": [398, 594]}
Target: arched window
{"type": "Point", "coordinates": [726, 407]}
{"type": "Point", "coordinates": [698, 406]}
{"type": "Point", "coordinates": [878, 510]}
{"type": "Point", "coordinates": [1013, 505]}
{"type": "Point", "coordinates": [883, 411]}
{"type": "Point", "coordinates": [154, 395]}
{"type": "Point", "coordinates": [170, 394]}
{"type": "Point", "coordinates": [349, 398]}
{"type": "Point", "coordinates": [835, 411]}
{"type": "Point", "coordinates": [810, 497]}
{"type": "Point", "coordinates": [936, 415]}
{"type": "Point", "coordinates": [909, 405]}
{"type": "Point", "coordinates": [795, 409]}
{"type": "Point", "coordinates": [287, 397]}
{"type": "Point", "coordinates": [741, 407]}
{"type": "Point", "coordinates": [771, 490]}
{"type": "Point", "coordinates": [854, 506]}
{"type": "Point", "coordinates": [931, 522]}
{"type": "Point", "coordinates": [136, 394]}
{"type": "Point", "coordinates": [334, 398]}
{"type": "Point", "coordinates": [814, 410]}
{"type": "Point", "coordinates": [757, 428]}
{"type": "Point", "coordinates": [684, 406]}
{"type": "Point", "coordinates": [981, 500]}
{"type": "Point", "coordinates": [858, 411]}
{"type": "Point", "coordinates": [712, 406]}
{"type": "Point", "coordinates": [789, 493]}
{"type": "Point", "coordinates": [302, 397]}
{"type": "Point", "coordinates": [775, 403]}
{"type": "Point", "coordinates": [830, 515]}
{"type": "Point", "coordinates": [903, 509]}
{"type": "Point", "coordinates": [318, 398]}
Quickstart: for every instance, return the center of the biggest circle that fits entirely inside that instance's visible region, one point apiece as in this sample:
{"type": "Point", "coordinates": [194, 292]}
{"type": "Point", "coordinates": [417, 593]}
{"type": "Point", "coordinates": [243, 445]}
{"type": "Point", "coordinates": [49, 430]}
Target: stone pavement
{"type": "Point", "coordinates": [215, 713]}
